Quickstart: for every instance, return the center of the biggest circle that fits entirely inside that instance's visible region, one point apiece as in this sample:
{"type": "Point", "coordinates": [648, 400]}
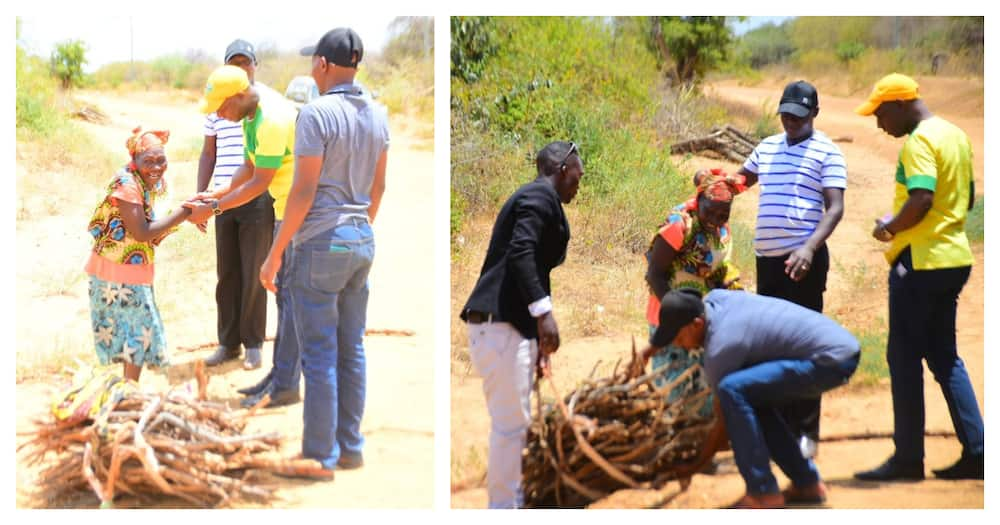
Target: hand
{"type": "Point", "coordinates": [268, 270]}
{"type": "Point", "coordinates": [543, 367]}
{"type": "Point", "coordinates": [204, 196]}
{"type": "Point", "coordinates": [202, 226]}
{"type": "Point", "coordinates": [548, 334]}
{"type": "Point", "coordinates": [798, 263]}
{"type": "Point", "coordinates": [200, 211]}
{"type": "Point", "coordinates": [881, 233]}
{"type": "Point", "coordinates": [726, 285]}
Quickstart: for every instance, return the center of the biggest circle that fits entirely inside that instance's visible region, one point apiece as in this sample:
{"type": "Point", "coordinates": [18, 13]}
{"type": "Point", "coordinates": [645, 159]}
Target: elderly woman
{"type": "Point", "coordinates": [124, 318]}
{"type": "Point", "coordinates": [692, 249]}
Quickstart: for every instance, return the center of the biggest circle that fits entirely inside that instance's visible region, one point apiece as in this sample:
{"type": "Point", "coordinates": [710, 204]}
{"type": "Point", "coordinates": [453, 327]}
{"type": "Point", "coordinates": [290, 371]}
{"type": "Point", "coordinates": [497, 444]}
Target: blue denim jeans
{"type": "Point", "coordinates": [329, 298]}
{"type": "Point", "coordinates": [286, 367]}
{"type": "Point", "coordinates": [751, 400]}
{"type": "Point", "coordinates": [922, 309]}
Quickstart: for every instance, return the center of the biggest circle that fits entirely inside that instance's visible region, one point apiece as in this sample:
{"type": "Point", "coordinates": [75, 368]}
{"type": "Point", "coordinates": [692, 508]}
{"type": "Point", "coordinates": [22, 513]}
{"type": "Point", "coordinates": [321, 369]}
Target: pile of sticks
{"type": "Point", "coordinates": [614, 433]}
{"type": "Point", "coordinates": [727, 141]}
{"type": "Point", "coordinates": [153, 445]}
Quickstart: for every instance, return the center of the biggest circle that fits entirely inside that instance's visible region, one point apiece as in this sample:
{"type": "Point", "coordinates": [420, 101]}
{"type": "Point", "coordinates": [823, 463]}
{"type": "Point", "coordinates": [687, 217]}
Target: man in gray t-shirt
{"type": "Point", "coordinates": [341, 142]}
{"type": "Point", "coordinates": [760, 354]}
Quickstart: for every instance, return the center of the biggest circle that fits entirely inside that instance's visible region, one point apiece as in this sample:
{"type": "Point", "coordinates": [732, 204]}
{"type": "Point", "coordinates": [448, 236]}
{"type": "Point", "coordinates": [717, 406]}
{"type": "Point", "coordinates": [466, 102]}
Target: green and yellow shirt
{"type": "Point", "coordinates": [269, 142]}
{"type": "Point", "coordinates": [937, 156]}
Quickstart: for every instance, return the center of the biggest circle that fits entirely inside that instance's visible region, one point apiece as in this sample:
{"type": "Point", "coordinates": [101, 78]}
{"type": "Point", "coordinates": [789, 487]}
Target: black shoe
{"type": "Point", "coordinates": [261, 385]}
{"type": "Point", "coordinates": [967, 467]}
{"type": "Point", "coordinates": [222, 354]}
{"type": "Point", "coordinates": [278, 399]}
{"type": "Point", "coordinates": [350, 461]}
{"type": "Point", "coordinates": [893, 470]}
{"type": "Point", "coordinates": [251, 361]}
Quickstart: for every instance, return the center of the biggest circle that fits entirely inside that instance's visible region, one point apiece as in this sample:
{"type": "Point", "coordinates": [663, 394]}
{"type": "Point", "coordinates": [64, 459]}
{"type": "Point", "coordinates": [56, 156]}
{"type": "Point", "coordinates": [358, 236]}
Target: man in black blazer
{"type": "Point", "coordinates": [509, 312]}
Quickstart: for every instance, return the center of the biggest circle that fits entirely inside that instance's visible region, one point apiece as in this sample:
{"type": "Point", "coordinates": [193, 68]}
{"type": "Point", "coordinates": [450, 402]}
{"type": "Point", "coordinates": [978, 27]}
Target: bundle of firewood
{"type": "Point", "coordinates": [148, 445]}
{"type": "Point", "coordinates": [615, 433]}
{"type": "Point", "coordinates": [727, 141]}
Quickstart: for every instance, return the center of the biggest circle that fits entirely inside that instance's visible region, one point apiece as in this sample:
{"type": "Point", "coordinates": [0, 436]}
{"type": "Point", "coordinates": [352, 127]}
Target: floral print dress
{"type": "Point", "coordinates": [702, 261]}
{"type": "Point", "coordinates": [126, 323]}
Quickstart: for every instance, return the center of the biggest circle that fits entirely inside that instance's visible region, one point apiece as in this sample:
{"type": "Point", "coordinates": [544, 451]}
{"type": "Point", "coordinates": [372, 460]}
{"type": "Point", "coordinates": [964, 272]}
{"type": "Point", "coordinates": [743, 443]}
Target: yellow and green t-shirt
{"type": "Point", "coordinates": [269, 142]}
{"type": "Point", "coordinates": [937, 156]}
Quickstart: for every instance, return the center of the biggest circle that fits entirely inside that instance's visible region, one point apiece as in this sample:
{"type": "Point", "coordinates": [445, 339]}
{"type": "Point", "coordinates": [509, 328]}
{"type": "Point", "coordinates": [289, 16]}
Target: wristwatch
{"type": "Point", "coordinates": [215, 208]}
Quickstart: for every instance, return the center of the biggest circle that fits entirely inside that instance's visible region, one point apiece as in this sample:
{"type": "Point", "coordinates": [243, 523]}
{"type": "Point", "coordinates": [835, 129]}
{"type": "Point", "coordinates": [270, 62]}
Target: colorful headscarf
{"type": "Point", "coordinates": [143, 140]}
{"type": "Point", "coordinates": [717, 186]}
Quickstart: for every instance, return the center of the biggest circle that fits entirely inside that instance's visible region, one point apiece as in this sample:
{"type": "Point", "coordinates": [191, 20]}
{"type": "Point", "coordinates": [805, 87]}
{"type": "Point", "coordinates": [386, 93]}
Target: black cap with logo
{"type": "Point", "coordinates": [799, 99]}
{"type": "Point", "coordinates": [240, 47]}
{"type": "Point", "coordinates": [341, 46]}
{"type": "Point", "coordinates": [677, 308]}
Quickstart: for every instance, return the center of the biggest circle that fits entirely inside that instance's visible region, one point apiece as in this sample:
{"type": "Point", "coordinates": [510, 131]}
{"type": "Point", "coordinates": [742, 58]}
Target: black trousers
{"type": "Point", "coordinates": [242, 239]}
{"type": "Point", "coordinates": [802, 416]}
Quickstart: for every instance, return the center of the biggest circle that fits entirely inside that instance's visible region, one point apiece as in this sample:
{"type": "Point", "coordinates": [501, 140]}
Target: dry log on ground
{"type": "Point", "coordinates": [727, 141]}
{"type": "Point", "coordinates": [614, 433]}
{"type": "Point", "coordinates": [170, 444]}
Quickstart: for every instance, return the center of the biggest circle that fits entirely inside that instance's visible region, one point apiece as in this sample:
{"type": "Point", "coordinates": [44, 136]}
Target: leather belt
{"type": "Point", "coordinates": [474, 317]}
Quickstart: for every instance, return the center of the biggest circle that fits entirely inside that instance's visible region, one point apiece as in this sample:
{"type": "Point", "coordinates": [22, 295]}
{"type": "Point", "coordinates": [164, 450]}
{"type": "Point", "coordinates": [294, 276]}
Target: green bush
{"type": "Point", "coordinates": [547, 82]}
{"type": "Point", "coordinates": [35, 94]}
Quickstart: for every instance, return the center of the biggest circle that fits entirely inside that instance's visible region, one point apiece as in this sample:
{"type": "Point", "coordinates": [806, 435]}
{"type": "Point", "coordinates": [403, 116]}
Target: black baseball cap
{"type": "Point", "coordinates": [341, 46]}
{"type": "Point", "coordinates": [799, 99]}
{"type": "Point", "coordinates": [677, 309]}
{"type": "Point", "coordinates": [240, 47]}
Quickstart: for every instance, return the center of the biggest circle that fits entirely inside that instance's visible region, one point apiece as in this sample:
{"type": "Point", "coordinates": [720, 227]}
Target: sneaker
{"type": "Point", "coordinates": [251, 361]}
{"type": "Point", "coordinates": [893, 470]}
{"type": "Point", "coordinates": [261, 385]}
{"type": "Point", "coordinates": [222, 354]}
{"type": "Point", "coordinates": [760, 501]}
{"type": "Point", "coordinates": [809, 494]}
{"type": "Point", "coordinates": [967, 467]}
{"type": "Point", "coordinates": [350, 461]}
{"type": "Point", "coordinates": [279, 398]}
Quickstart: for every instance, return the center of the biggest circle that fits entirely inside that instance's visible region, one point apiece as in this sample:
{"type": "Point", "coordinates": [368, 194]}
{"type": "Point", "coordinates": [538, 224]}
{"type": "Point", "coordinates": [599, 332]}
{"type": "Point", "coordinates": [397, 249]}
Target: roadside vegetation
{"type": "Point", "coordinates": [624, 89]}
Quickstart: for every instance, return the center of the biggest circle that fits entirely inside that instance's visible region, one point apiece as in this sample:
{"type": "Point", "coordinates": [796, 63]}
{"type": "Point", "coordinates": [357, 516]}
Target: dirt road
{"type": "Point", "coordinates": [856, 291]}
{"type": "Point", "coordinates": [398, 423]}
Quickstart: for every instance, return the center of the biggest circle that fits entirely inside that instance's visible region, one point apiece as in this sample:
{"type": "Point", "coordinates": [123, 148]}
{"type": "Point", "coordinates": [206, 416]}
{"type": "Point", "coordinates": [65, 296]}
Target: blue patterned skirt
{"type": "Point", "coordinates": [126, 324]}
{"type": "Point", "coordinates": [678, 360]}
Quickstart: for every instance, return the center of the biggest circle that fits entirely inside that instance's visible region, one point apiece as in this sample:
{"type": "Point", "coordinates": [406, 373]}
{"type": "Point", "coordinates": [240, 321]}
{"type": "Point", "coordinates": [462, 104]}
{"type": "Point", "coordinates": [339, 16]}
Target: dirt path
{"type": "Point", "coordinates": [856, 292]}
{"type": "Point", "coordinates": [398, 471]}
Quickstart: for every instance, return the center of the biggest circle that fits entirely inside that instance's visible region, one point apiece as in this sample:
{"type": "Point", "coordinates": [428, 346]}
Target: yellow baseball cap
{"type": "Point", "coordinates": [223, 83]}
{"type": "Point", "coordinates": [889, 88]}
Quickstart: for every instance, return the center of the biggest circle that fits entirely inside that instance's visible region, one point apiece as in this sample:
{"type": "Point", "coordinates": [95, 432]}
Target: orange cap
{"type": "Point", "coordinates": [889, 88]}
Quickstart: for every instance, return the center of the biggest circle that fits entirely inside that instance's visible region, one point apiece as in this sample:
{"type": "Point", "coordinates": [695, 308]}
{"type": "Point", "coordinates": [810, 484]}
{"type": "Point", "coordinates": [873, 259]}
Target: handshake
{"type": "Point", "coordinates": [202, 206]}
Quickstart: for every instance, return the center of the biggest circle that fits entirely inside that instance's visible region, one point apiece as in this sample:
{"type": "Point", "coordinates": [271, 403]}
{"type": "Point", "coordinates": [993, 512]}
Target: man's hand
{"type": "Point", "coordinates": [543, 367]}
{"type": "Point", "coordinates": [880, 233]}
{"type": "Point", "coordinates": [798, 263]}
{"type": "Point", "coordinates": [548, 334]}
{"type": "Point", "coordinates": [268, 270]}
{"type": "Point", "coordinates": [201, 211]}
{"type": "Point", "coordinates": [204, 196]}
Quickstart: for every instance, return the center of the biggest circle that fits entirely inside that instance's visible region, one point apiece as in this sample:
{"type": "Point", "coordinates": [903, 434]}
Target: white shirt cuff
{"type": "Point", "coordinates": [541, 306]}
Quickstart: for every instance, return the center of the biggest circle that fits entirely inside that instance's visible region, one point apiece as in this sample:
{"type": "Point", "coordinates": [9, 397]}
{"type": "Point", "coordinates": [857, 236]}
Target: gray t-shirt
{"type": "Point", "coordinates": [350, 131]}
{"type": "Point", "coordinates": [744, 329]}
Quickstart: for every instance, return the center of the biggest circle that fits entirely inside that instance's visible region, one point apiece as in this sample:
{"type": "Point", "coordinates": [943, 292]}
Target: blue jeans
{"type": "Point", "coordinates": [286, 368]}
{"type": "Point", "coordinates": [922, 309]}
{"type": "Point", "coordinates": [751, 400]}
{"type": "Point", "coordinates": [329, 298]}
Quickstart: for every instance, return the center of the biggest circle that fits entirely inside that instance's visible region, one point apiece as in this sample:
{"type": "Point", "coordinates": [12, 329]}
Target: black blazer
{"type": "Point", "coordinates": [529, 240]}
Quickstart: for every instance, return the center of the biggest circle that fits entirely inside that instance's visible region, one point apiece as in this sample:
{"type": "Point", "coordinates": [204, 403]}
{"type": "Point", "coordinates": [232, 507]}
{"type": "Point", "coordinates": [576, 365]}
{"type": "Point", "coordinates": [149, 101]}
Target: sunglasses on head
{"type": "Point", "coordinates": [572, 149]}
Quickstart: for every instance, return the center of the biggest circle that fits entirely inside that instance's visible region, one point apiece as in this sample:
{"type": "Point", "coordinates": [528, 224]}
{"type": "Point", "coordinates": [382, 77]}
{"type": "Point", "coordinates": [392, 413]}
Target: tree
{"type": "Point", "coordinates": [67, 62]}
{"type": "Point", "coordinates": [693, 44]}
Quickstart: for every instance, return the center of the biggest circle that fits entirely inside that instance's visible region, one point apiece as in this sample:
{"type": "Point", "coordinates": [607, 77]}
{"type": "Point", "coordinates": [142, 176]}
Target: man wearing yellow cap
{"type": "Point", "coordinates": [269, 143]}
{"type": "Point", "coordinates": [931, 260]}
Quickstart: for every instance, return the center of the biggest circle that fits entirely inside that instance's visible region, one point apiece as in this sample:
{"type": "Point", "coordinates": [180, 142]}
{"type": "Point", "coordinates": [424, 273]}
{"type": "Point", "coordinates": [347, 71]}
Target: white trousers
{"type": "Point", "coordinates": [506, 362]}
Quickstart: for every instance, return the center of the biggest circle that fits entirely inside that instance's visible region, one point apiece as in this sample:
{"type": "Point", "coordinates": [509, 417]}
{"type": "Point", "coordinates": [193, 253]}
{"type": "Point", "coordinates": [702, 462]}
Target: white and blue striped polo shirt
{"type": "Point", "coordinates": [791, 181]}
{"type": "Point", "coordinates": [228, 148]}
